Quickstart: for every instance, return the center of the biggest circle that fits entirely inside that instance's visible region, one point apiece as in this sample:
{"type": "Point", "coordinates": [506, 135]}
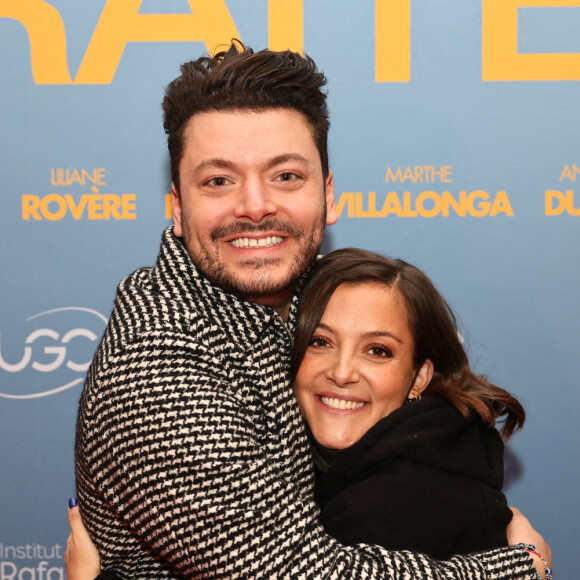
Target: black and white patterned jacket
{"type": "Point", "coordinates": [190, 452]}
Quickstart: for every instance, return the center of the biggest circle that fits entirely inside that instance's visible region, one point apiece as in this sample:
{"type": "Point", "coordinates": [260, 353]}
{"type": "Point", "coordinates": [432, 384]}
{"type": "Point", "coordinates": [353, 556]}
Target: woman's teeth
{"type": "Point", "coordinates": [341, 403]}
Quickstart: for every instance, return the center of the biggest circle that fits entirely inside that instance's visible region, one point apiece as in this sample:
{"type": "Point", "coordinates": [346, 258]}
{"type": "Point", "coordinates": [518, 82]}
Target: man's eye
{"type": "Point", "coordinates": [217, 181]}
{"type": "Point", "coordinates": [287, 176]}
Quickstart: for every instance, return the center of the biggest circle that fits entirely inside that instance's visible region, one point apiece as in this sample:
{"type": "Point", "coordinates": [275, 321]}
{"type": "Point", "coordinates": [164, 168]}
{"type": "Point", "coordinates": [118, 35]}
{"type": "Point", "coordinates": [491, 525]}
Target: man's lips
{"type": "Point", "coordinates": [263, 242]}
{"type": "Point", "coordinates": [272, 228]}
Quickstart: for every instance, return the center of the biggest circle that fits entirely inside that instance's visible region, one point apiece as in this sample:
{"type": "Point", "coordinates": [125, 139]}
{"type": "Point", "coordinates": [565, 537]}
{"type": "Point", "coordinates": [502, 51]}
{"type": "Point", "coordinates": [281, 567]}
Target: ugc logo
{"type": "Point", "coordinates": [58, 346]}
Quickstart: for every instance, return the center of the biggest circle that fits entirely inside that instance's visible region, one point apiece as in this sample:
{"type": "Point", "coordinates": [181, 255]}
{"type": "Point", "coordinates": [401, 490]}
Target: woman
{"type": "Point", "coordinates": [372, 334]}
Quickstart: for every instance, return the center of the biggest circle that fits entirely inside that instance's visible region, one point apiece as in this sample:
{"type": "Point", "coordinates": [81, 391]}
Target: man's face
{"type": "Point", "coordinates": [253, 201]}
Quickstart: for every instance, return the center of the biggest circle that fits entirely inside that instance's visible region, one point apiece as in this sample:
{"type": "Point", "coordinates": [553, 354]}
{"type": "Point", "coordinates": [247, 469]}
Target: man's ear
{"type": "Point", "coordinates": [422, 379]}
{"type": "Point", "coordinates": [331, 215]}
{"type": "Point", "coordinates": [176, 204]}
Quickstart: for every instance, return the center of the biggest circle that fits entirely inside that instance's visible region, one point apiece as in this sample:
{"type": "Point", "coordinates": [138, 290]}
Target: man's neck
{"type": "Point", "coordinates": [278, 302]}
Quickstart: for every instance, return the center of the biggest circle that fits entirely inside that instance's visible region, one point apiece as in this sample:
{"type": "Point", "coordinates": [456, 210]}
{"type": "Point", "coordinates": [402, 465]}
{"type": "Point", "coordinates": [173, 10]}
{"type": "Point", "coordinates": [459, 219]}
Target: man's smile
{"type": "Point", "coordinates": [267, 242]}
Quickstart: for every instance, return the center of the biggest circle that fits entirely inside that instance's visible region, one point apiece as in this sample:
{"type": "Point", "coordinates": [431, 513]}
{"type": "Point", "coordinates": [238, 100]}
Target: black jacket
{"type": "Point", "coordinates": [423, 479]}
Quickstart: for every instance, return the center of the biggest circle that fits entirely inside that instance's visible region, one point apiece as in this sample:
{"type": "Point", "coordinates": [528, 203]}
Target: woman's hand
{"type": "Point", "coordinates": [520, 530]}
{"type": "Point", "coordinates": [81, 558]}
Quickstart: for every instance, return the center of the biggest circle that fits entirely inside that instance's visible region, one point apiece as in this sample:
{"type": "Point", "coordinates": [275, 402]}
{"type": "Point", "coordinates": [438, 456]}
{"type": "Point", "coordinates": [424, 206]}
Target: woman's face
{"type": "Point", "coordinates": [359, 364]}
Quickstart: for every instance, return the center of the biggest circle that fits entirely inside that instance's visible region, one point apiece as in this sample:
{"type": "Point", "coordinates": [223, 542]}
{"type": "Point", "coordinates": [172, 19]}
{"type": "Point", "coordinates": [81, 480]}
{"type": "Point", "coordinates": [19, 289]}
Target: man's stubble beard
{"type": "Point", "coordinates": [260, 285]}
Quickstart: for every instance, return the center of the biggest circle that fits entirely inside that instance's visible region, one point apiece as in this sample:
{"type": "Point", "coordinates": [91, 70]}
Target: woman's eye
{"type": "Point", "coordinates": [380, 351]}
{"type": "Point", "coordinates": [317, 341]}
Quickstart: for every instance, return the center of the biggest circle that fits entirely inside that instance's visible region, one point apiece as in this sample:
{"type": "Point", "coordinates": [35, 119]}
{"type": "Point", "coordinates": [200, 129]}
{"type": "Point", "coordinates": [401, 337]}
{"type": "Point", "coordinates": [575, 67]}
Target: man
{"type": "Point", "coordinates": [191, 455]}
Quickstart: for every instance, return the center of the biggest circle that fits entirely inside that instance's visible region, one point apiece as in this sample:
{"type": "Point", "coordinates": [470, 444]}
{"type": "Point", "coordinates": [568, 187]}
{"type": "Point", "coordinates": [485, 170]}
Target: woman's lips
{"type": "Point", "coordinates": [340, 403]}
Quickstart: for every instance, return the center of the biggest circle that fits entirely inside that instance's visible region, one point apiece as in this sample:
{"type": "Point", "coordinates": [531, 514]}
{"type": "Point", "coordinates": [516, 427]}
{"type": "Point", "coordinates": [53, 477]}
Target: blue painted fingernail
{"type": "Point", "coordinates": [72, 502]}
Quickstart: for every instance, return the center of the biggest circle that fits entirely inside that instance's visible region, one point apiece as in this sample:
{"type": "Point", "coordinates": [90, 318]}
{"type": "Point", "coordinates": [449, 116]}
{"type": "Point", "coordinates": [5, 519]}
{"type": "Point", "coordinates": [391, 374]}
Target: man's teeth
{"type": "Point", "coordinates": [341, 403]}
{"type": "Point", "coordinates": [267, 242]}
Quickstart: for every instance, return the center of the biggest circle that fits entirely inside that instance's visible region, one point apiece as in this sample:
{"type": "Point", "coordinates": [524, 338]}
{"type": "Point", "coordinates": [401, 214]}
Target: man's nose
{"type": "Point", "coordinates": [255, 201]}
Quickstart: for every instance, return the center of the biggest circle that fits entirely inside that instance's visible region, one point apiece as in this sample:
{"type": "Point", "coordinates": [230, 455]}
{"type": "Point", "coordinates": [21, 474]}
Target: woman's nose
{"type": "Point", "coordinates": [343, 370]}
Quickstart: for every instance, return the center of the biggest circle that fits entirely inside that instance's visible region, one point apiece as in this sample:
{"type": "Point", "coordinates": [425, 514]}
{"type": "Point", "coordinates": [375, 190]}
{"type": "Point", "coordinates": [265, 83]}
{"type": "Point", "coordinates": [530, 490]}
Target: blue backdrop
{"type": "Point", "coordinates": [454, 144]}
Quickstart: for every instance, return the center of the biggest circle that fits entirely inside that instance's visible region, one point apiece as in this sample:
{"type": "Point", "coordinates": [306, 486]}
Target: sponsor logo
{"type": "Point", "coordinates": [13, 558]}
{"type": "Point", "coordinates": [80, 205]}
{"type": "Point", "coordinates": [59, 343]}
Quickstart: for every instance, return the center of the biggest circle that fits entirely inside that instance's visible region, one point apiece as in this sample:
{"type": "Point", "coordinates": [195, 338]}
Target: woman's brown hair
{"type": "Point", "coordinates": [432, 323]}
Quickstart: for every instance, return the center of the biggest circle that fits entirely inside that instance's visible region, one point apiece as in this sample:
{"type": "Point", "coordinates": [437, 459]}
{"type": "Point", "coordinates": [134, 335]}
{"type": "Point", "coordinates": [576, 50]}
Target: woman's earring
{"type": "Point", "coordinates": [410, 400]}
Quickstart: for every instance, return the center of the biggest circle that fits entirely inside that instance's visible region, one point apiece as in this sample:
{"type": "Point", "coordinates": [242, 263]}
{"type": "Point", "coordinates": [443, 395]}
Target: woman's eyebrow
{"type": "Point", "coordinates": [370, 333]}
{"type": "Point", "coordinates": [381, 333]}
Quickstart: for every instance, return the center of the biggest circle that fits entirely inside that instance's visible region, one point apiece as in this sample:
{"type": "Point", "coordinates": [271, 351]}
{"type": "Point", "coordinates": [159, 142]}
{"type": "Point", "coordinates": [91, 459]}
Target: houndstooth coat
{"type": "Point", "coordinates": [191, 458]}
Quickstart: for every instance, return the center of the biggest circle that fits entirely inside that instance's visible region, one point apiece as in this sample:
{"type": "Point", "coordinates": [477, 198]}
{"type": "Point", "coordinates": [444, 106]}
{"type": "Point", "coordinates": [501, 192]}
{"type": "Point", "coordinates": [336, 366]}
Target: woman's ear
{"type": "Point", "coordinates": [422, 379]}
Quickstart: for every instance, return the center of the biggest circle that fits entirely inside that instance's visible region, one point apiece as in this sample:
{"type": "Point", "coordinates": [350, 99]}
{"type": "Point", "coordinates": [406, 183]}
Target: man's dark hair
{"type": "Point", "coordinates": [241, 79]}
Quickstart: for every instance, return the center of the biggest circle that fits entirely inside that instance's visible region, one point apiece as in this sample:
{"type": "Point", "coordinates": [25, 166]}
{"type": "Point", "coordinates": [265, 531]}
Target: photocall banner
{"type": "Point", "coordinates": [454, 144]}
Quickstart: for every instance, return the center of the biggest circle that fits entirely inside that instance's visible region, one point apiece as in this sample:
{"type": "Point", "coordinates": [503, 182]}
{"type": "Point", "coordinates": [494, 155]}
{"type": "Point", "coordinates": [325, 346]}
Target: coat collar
{"type": "Point", "coordinates": [431, 432]}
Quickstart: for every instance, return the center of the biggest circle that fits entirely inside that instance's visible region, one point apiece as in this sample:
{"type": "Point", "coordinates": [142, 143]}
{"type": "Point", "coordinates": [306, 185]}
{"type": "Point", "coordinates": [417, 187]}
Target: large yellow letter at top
{"type": "Point", "coordinates": [286, 25]}
{"type": "Point", "coordinates": [501, 60]}
{"type": "Point", "coordinates": [47, 38]}
{"type": "Point", "coordinates": [121, 23]}
{"type": "Point", "coordinates": [392, 41]}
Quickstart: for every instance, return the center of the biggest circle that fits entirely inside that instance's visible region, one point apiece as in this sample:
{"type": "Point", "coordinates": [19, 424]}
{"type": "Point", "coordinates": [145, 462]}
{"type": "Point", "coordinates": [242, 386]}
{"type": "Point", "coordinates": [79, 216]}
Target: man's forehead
{"type": "Point", "coordinates": [232, 137]}
{"type": "Point", "coordinates": [256, 117]}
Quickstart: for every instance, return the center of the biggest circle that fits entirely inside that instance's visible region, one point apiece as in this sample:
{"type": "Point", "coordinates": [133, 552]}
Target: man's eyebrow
{"type": "Point", "coordinates": [214, 163]}
{"type": "Point", "coordinates": [286, 158]}
{"type": "Point", "coordinates": [220, 163]}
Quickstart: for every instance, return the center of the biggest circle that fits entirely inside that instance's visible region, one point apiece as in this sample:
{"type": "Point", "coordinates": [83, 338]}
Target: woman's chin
{"type": "Point", "coordinates": [336, 442]}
